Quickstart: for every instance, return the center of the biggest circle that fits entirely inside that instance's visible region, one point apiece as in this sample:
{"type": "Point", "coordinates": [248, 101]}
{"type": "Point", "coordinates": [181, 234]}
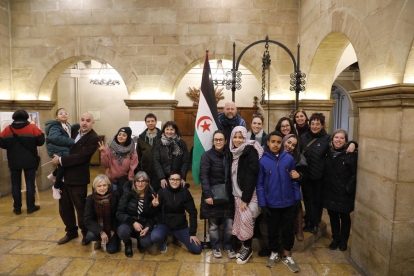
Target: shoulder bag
{"type": "Point", "coordinates": [219, 191]}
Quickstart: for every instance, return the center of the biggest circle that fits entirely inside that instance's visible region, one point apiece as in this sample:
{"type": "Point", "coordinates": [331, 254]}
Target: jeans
{"type": "Point", "coordinates": [111, 246]}
{"type": "Point", "coordinates": [160, 233]}
{"type": "Point", "coordinates": [214, 230]}
{"type": "Point", "coordinates": [283, 218]}
{"type": "Point", "coordinates": [340, 225]}
{"type": "Point", "coordinates": [125, 232]}
{"type": "Point", "coordinates": [16, 180]}
{"type": "Point", "coordinates": [312, 197]}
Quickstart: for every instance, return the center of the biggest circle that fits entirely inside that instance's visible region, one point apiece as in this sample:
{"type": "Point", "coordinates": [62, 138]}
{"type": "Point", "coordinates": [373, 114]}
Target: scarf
{"type": "Point", "coordinates": [172, 144]}
{"type": "Point", "coordinates": [257, 137]}
{"type": "Point", "coordinates": [151, 137]}
{"type": "Point", "coordinates": [103, 211]}
{"type": "Point", "coordinates": [120, 152]}
{"type": "Point", "coordinates": [302, 130]}
{"type": "Point", "coordinates": [235, 121]}
{"type": "Point", "coordinates": [237, 152]}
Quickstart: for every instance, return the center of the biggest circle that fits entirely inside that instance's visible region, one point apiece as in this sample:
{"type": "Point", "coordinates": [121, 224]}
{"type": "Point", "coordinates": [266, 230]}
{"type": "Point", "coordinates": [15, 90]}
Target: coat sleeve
{"type": "Point", "coordinates": [91, 221]}
{"type": "Point", "coordinates": [185, 160]}
{"type": "Point", "coordinates": [192, 211]}
{"type": "Point", "coordinates": [3, 144]}
{"type": "Point", "coordinates": [132, 165]}
{"type": "Point", "coordinates": [157, 161]}
{"type": "Point", "coordinates": [40, 139]}
{"type": "Point", "coordinates": [115, 203]}
{"type": "Point", "coordinates": [139, 153]}
{"type": "Point", "coordinates": [58, 139]}
{"type": "Point", "coordinates": [205, 167]}
{"type": "Point", "coordinates": [106, 158]}
{"type": "Point", "coordinates": [260, 189]}
{"type": "Point", "coordinates": [296, 188]}
{"type": "Point", "coordinates": [82, 156]}
{"type": "Point", "coordinates": [121, 213]}
{"type": "Point", "coordinates": [252, 172]}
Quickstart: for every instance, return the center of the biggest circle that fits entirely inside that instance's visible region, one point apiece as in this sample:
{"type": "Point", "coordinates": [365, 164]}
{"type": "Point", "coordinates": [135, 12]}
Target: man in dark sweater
{"type": "Point", "coordinates": [77, 178]}
{"type": "Point", "coordinates": [229, 119]}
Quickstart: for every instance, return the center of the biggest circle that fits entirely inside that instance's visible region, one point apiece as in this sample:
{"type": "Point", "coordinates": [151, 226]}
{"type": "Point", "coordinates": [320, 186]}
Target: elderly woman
{"type": "Point", "coordinates": [315, 147]}
{"type": "Point", "coordinates": [136, 213]}
{"type": "Point", "coordinates": [257, 133]}
{"type": "Point", "coordinates": [21, 140]}
{"type": "Point", "coordinates": [300, 120]}
{"type": "Point", "coordinates": [339, 188]}
{"type": "Point", "coordinates": [170, 154]}
{"type": "Point", "coordinates": [100, 215]}
{"type": "Point", "coordinates": [285, 126]}
{"type": "Point", "coordinates": [244, 174]}
{"type": "Point", "coordinates": [120, 158]}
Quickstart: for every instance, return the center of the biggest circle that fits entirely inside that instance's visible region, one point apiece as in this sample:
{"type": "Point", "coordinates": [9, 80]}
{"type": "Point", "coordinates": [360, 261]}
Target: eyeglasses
{"type": "Point", "coordinates": [61, 113]}
{"type": "Point", "coordinates": [218, 140]}
{"type": "Point", "coordinates": [175, 180]}
{"type": "Point", "coordinates": [285, 126]}
{"type": "Point", "coordinates": [141, 181]}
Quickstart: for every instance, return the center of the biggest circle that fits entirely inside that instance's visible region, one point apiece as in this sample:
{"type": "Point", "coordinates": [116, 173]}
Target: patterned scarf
{"type": "Point", "coordinates": [120, 152]}
{"type": "Point", "coordinates": [103, 210]}
{"type": "Point", "coordinates": [172, 144]}
{"type": "Point", "coordinates": [257, 137]}
{"type": "Point", "coordinates": [237, 152]}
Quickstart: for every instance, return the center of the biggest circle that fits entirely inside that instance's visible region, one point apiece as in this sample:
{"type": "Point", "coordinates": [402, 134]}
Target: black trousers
{"type": "Point", "coordinates": [340, 225]}
{"type": "Point", "coordinates": [73, 198]}
{"type": "Point", "coordinates": [312, 197]}
{"type": "Point", "coordinates": [281, 218]}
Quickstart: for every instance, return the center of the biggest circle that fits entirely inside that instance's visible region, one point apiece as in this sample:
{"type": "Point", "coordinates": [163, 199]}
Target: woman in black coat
{"type": "Point", "coordinates": [100, 215]}
{"type": "Point", "coordinates": [315, 147]}
{"type": "Point", "coordinates": [170, 154]}
{"type": "Point", "coordinates": [215, 170]}
{"type": "Point", "coordinates": [136, 213]}
{"type": "Point", "coordinates": [339, 189]}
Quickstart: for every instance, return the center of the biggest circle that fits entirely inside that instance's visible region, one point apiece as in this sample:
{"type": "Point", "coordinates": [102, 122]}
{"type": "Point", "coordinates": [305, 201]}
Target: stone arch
{"type": "Point", "coordinates": [409, 67]}
{"type": "Point", "coordinates": [64, 57]}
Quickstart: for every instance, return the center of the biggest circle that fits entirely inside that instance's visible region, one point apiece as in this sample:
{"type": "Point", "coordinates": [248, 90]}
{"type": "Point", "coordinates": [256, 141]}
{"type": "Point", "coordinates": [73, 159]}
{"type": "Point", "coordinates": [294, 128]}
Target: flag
{"type": "Point", "coordinates": [206, 122]}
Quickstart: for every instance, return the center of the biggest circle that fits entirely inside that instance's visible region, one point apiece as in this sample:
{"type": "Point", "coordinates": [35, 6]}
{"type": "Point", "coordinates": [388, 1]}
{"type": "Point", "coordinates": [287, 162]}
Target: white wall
{"type": "Point", "coordinates": [348, 57]}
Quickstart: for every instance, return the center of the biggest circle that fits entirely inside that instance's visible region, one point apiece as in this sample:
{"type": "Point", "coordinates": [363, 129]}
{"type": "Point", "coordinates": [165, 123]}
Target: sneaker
{"type": "Point", "coordinates": [56, 193]}
{"type": "Point", "coordinates": [245, 256]}
{"type": "Point", "coordinates": [274, 258]}
{"type": "Point", "coordinates": [163, 248]}
{"type": "Point", "coordinates": [290, 263]}
{"type": "Point", "coordinates": [231, 253]}
{"type": "Point", "coordinates": [17, 211]}
{"type": "Point", "coordinates": [217, 253]}
{"type": "Point", "coordinates": [334, 245]}
{"type": "Point", "coordinates": [33, 209]}
{"type": "Point", "coordinates": [242, 249]}
{"type": "Point", "coordinates": [51, 177]}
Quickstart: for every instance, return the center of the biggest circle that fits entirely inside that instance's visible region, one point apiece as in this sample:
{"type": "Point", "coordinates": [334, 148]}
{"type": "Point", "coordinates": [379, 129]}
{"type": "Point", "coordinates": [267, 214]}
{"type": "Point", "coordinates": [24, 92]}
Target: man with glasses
{"type": "Point", "coordinates": [229, 119]}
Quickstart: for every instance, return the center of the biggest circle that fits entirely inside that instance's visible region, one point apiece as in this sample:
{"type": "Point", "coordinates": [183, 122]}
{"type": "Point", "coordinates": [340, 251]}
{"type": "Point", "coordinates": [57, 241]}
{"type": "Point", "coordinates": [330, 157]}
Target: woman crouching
{"type": "Point", "coordinates": [100, 215]}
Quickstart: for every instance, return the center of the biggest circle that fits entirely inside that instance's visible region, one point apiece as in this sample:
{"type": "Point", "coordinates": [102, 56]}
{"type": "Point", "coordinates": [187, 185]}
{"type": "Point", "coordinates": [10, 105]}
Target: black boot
{"type": "Point", "coordinates": [128, 249]}
{"type": "Point", "coordinates": [314, 228]}
{"type": "Point", "coordinates": [334, 244]}
{"type": "Point", "coordinates": [343, 246]}
{"type": "Point", "coordinates": [307, 226]}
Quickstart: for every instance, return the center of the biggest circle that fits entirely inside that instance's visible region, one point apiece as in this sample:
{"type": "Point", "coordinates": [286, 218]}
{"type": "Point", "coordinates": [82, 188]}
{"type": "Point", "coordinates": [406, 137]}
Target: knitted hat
{"type": "Point", "coordinates": [128, 131]}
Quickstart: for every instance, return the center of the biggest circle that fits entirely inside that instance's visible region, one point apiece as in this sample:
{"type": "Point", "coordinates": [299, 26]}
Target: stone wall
{"type": "Point", "coordinates": [5, 73]}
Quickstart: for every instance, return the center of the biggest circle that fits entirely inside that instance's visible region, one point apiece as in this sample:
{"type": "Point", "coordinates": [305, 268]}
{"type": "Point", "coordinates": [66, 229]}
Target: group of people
{"type": "Point", "coordinates": [248, 178]}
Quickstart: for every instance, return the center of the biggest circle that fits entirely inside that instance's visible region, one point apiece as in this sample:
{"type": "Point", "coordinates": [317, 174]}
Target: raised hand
{"type": "Point", "coordinates": [155, 201]}
{"type": "Point", "coordinates": [101, 146]}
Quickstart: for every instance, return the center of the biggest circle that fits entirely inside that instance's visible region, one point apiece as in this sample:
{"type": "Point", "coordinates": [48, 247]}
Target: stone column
{"type": "Point", "coordinates": [44, 108]}
{"type": "Point", "coordinates": [283, 108]}
{"type": "Point", "coordinates": [383, 225]}
{"type": "Point", "coordinates": [163, 109]}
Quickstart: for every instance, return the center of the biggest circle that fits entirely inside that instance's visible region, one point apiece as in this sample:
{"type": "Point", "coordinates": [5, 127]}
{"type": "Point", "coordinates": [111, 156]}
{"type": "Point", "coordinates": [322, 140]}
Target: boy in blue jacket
{"type": "Point", "coordinates": [276, 193]}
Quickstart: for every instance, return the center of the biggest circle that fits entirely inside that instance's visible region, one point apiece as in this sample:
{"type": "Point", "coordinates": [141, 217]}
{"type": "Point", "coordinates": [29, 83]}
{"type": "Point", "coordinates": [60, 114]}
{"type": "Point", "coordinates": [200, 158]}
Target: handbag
{"type": "Point", "coordinates": [219, 191]}
{"type": "Point", "coordinates": [25, 146]}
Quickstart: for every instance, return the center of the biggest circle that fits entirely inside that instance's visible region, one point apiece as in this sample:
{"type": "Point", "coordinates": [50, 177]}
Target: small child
{"type": "Point", "coordinates": [58, 142]}
{"type": "Point", "coordinates": [277, 193]}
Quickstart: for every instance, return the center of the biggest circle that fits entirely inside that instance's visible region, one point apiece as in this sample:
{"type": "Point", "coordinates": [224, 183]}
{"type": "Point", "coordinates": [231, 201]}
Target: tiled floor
{"type": "Point", "coordinates": [28, 247]}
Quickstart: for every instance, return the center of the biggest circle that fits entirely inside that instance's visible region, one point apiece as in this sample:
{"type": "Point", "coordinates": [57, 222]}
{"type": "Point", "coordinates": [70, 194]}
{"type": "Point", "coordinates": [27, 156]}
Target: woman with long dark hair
{"type": "Point", "coordinates": [300, 121]}
{"type": "Point", "coordinates": [285, 126]}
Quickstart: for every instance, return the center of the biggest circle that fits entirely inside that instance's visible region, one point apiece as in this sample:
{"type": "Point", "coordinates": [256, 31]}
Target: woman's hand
{"type": "Point", "coordinates": [104, 237]}
{"type": "Point", "coordinates": [155, 201]}
{"type": "Point", "coordinates": [294, 174]}
{"type": "Point", "coordinates": [195, 240]}
{"type": "Point", "coordinates": [101, 146]}
{"type": "Point", "coordinates": [144, 232]}
{"type": "Point", "coordinates": [137, 226]}
{"type": "Point", "coordinates": [182, 182]}
{"type": "Point", "coordinates": [243, 206]}
{"type": "Point", "coordinates": [209, 201]}
{"type": "Point", "coordinates": [351, 148]}
{"type": "Point", "coordinates": [163, 183]}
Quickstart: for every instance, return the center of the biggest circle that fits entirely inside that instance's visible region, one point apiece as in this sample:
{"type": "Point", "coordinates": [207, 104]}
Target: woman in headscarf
{"type": "Point", "coordinates": [170, 154]}
{"type": "Point", "coordinates": [244, 173]}
{"type": "Point", "coordinates": [120, 158]}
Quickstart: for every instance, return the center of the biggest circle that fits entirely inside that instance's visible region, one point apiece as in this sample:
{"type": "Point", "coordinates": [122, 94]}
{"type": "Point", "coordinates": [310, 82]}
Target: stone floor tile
{"type": "Point", "coordinates": [55, 223]}
{"type": "Point", "coordinates": [7, 245]}
{"type": "Point", "coordinates": [71, 249]}
{"type": "Point", "coordinates": [305, 257]}
{"type": "Point", "coordinates": [33, 221]}
{"type": "Point", "coordinates": [304, 269]}
{"type": "Point", "coordinates": [10, 220]}
{"type": "Point", "coordinates": [102, 254]}
{"type": "Point", "coordinates": [201, 269]}
{"type": "Point", "coordinates": [54, 266]}
{"type": "Point", "coordinates": [167, 268]}
{"type": "Point", "coordinates": [182, 254]}
{"type": "Point", "coordinates": [127, 267]}
{"type": "Point", "coordinates": [34, 248]}
{"type": "Point", "coordinates": [6, 209]}
{"type": "Point", "coordinates": [78, 267]}
{"type": "Point", "coordinates": [335, 269]}
{"type": "Point", "coordinates": [233, 269]}
{"type": "Point", "coordinates": [213, 260]}
{"type": "Point", "coordinates": [49, 210]}
{"type": "Point", "coordinates": [60, 233]}
{"type": "Point", "coordinates": [6, 230]}
{"type": "Point", "coordinates": [324, 241]}
{"type": "Point", "coordinates": [30, 266]}
{"type": "Point", "coordinates": [33, 233]}
{"type": "Point", "coordinates": [103, 267]}
{"type": "Point", "coordinates": [255, 258]}
{"type": "Point", "coordinates": [327, 256]}
{"type": "Point", "coordinates": [8, 262]}
{"type": "Point", "coordinates": [136, 257]}
{"type": "Point", "coordinates": [169, 255]}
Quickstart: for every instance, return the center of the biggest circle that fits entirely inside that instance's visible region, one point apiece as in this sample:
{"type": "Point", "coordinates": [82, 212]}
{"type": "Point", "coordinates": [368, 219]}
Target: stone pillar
{"type": "Point", "coordinates": [44, 108]}
{"type": "Point", "coordinates": [163, 109]}
{"type": "Point", "coordinates": [283, 108]}
{"type": "Point", "coordinates": [383, 225]}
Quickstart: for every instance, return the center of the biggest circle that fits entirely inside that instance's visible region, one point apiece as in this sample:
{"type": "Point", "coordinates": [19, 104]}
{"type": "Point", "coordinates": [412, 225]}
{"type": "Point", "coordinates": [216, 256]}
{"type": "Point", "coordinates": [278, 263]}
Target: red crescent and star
{"type": "Point", "coordinates": [205, 126]}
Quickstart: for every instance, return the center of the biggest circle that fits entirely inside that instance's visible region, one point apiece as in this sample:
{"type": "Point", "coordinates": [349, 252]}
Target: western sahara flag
{"type": "Point", "coordinates": [206, 122]}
